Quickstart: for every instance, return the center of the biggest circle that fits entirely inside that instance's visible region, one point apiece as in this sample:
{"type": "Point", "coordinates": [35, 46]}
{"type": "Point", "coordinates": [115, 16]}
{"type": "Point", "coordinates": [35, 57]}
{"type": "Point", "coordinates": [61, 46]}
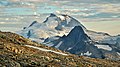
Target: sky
{"type": "Point", "coordinates": [97, 15]}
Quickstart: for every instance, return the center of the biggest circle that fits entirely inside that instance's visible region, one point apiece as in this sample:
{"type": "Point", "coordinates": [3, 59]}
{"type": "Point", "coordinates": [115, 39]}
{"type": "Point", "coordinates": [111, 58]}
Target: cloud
{"type": "Point", "coordinates": [31, 0]}
{"type": "Point", "coordinates": [2, 22]}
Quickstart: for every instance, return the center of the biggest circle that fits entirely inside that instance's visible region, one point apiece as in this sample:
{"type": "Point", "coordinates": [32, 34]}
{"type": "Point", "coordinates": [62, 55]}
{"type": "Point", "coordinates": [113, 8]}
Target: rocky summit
{"type": "Point", "coordinates": [77, 42]}
{"type": "Point", "coordinates": [17, 51]}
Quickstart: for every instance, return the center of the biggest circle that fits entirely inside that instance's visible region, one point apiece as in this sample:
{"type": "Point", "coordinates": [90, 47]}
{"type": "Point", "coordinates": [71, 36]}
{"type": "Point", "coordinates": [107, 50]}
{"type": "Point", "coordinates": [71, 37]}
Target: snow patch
{"type": "Point", "coordinates": [59, 44]}
{"type": "Point", "coordinates": [61, 17]}
{"type": "Point", "coordinates": [118, 53]}
{"type": "Point", "coordinates": [87, 53]}
{"type": "Point", "coordinates": [68, 20]}
{"type": "Point", "coordinates": [42, 49]}
{"type": "Point", "coordinates": [69, 48]}
{"type": "Point", "coordinates": [105, 47]}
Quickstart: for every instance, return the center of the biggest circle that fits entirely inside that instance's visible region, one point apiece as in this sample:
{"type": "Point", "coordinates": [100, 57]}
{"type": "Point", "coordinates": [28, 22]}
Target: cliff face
{"type": "Point", "coordinates": [78, 42]}
{"type": "Point", "coordinates": [15, 53]}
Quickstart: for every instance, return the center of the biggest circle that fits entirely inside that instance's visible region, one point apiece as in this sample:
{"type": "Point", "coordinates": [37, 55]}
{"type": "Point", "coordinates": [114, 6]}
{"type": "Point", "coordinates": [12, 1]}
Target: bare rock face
{"type": "Point", "coordinates": [78, 42]}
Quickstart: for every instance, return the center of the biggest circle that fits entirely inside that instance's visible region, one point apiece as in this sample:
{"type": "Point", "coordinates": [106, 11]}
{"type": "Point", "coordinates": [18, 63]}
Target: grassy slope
{"type": "Point", "coordinates": [13, 53]}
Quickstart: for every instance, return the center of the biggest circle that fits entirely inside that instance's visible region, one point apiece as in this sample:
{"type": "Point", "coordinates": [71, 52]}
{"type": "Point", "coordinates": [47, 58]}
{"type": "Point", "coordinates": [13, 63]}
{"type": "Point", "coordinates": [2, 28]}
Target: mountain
{"type": "Point", "coordinates": [17, 51]}
{"type": "Point", "coordinates": [54, 25]}
{"type": "Point", "coordinates": [57, 25]}
{"type": "Point", "coordinates": [78, 42]}
{"type": "Point", "coordinates": [67, 34]}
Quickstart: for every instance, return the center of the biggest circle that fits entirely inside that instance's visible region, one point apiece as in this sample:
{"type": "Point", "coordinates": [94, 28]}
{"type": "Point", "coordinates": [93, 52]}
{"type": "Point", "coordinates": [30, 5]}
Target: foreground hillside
{"type": "Point", "coordinates": [16, 51]}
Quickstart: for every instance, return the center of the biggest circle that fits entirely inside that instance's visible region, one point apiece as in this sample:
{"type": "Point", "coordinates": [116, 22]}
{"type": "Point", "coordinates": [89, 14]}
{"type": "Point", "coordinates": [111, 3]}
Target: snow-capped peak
{"type": "Point", "coordinates": [54, 25]}
{"type": "Point", "coordinates": [62, 20]}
